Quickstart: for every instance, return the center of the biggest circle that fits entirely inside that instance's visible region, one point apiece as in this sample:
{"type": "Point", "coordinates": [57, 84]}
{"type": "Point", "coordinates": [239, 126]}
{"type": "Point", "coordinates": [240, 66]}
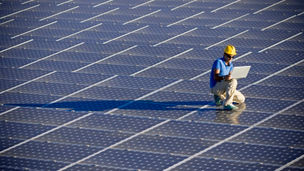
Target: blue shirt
{"type": "Point", "coordinates": [224, 69]}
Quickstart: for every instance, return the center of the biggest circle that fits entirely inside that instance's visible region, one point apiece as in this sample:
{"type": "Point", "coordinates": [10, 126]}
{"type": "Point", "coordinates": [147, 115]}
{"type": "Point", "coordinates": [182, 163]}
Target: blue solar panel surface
{"type": "Point", "coordinates": [124, 85]}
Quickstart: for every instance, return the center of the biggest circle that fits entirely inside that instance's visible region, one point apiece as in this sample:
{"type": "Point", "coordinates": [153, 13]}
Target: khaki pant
{"type": "Point", "coordinates": [227, 90]}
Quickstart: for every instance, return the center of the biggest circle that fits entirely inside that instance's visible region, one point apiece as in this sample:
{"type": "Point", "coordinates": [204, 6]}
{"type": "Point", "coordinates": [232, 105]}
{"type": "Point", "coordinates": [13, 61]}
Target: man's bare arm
{"type": "Point", "coordinates": [218, 78]}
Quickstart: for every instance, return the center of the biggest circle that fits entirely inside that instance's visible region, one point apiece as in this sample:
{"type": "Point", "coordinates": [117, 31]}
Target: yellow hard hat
{"type": "Point", "coordinates": [230, 50]}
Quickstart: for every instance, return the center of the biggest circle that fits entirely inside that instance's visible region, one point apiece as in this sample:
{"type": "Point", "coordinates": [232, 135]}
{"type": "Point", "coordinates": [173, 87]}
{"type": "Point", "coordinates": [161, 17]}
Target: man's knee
{"type": "Point", "coordinates": [242, 99]}
{"type": "Point", "coordinates": [233, 82]}
{"type": "Point", "coordinates": [239, 97]}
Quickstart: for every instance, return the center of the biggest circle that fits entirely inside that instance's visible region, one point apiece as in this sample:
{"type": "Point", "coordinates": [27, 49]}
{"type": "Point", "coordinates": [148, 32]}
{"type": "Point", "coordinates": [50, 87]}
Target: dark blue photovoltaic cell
{"type": "Point", "coordinates": [13, 63]}
{"type": "Point", "coordinates": [8, 142]}
{"type": "Point", "coordinates": [155, 109]}
{"type": "Point", "coordinates": [217, 164]}
{"type": "Point", "coordinates": [295, 71]}
{"type": "Point", "coordinates": [21, 130]}
{"type": "Point", "coordinates": [157, 51]}
{"type": "Point", "coordinates": [180, 98]}
{"type": "Point", "coordinates": [170, 73]}
{"type": "Point", "coordinates": [133, 159]}
{"type": "Point", "coordinates": [52, 46]}
{"type": "Point", "coordinates": [95, 49]}
{"type": "Point", "coordinates": [8, 42]}
{"type": "Point", "coordinates": [85, 105]}
{"type": "Point", "coordinates": [84, 57]}
{"type": "Point", "coordinates": [20, 74]}
{"type": "Point", "coordinates": [55, 66]}
{"type": "Point", "coordinates": [292, 25]}
{"type": "Point", "coordinates": [296, 110]}
{"type": "Point", "coordinates": [134, 60]}
{"type": "Point", "coordinates": [6, 4]}
{"type": "Point", "coordinates": [273, 55]}
{"type": "Point", "coordinates": [43, 88]}
{"type": "Point", "coordinates": [266, 105]}
{"type": "Point", "coordinates": [95, 167]}
{"type": "Point", "coordinates": [39, 116]}
{"type": "Point", "coordinates": [74, 78]}
{"type": "Point", "coordinates": [298, 164]}
{"type": "Point", "coordinates": [281, 93]}
{"type": "Point", "coordinates": [285, 81]}
{"type": "Point", "coordinates": [5, 108]}
{"type": "Point", "coordinates": [276, 137]}
{"type": "Point", "coordinates": [9, 83]}
{"type": "Point", "coordinates": [137, 82]}
{"type": "Point", "coordinates": [254, 153]}
{"type": "Point", "coordinates": [52, 151]}
{"type": "Point", "coordinates": [116, 123]}
{"type": "Point", "coordinates": [144, 39]}
{"type": "Point", "coordinates": [286, 122]}
{"type": "Point", "coordinates": [200, 87]}
{"type": "Point", "coordinates": [215, 115]}
{"type": "Point", "coordinates": [19, 163]}
{"type": "Point", "coordinates": [16, 99]}
{"type": "Point", "coordinates": [163, 144]}
{"type": "Point", "coordinates": [111, 69]}
{"type": "Point", "coordinates": [186, 64]}
{"type": "Point", "coordinates": [109, 93]}
{"type": "Point", "coordinates": [88, 137]}
{"type": "Point", "coordinates": [194, 130]}
{"type": "Point", "coordinates": [30, 53]}
{"type": "Point", "coordinates": [124, 85]}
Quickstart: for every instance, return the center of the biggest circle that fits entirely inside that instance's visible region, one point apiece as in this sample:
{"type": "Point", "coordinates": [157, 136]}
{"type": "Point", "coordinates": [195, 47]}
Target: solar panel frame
{"type": "Point", "coordinates": [124, 85]}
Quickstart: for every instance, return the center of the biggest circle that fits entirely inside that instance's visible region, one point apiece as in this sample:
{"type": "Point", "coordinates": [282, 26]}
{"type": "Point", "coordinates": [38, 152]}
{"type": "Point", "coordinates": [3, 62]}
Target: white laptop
{"type": "Point", "coordinates": [240, 72]}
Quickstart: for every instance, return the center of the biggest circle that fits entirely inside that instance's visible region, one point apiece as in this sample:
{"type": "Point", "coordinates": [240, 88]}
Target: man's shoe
{"type": "Point", "coordinates": [217, 100]}
{"type": "Point", "coordinates": [230, 107]}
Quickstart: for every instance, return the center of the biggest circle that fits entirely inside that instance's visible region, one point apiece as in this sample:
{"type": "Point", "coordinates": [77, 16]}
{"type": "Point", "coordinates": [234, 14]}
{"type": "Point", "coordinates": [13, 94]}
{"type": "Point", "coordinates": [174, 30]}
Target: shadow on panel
{"type": "Point", "coordinates": [103, 105]}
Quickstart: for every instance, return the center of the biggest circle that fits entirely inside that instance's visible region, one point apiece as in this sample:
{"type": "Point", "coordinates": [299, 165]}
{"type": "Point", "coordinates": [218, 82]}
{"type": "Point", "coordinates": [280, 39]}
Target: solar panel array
{"type": "Point", "coordinates": [124, 85]}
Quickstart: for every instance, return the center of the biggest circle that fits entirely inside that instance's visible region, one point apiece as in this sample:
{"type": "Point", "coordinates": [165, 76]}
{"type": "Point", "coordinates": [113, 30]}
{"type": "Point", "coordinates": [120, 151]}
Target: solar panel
{"type": "Point", "coordinates": [124, 85]}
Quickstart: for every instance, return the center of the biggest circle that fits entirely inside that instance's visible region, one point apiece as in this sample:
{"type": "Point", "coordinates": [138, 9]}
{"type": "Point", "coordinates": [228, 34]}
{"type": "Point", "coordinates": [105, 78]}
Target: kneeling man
{"type": "Point", "coordinates": [222, 85]}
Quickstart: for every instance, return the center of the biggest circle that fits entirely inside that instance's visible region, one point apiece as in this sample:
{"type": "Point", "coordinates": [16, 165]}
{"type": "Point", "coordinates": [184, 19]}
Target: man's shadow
{"type": "Point", "coordinates": [104, 105]}
{"type": "Point", "coordinates": [221, 115]}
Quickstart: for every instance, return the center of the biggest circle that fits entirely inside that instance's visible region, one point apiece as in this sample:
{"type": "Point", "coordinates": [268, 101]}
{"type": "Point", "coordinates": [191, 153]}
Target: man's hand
{"type": "Point", "coordinates": [219, 78]}
{"type": "Point", "coordinates": [228, 77]}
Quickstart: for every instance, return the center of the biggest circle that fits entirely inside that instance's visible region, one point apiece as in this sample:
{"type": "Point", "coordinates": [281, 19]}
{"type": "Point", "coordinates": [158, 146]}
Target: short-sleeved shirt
{"type": "Point", "coordinates": [224, 69]}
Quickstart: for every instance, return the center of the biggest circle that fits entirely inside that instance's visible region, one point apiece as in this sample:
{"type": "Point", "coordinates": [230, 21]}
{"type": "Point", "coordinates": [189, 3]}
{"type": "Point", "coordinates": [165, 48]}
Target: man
{"type": "Point", "coordinates": [222, 85]}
